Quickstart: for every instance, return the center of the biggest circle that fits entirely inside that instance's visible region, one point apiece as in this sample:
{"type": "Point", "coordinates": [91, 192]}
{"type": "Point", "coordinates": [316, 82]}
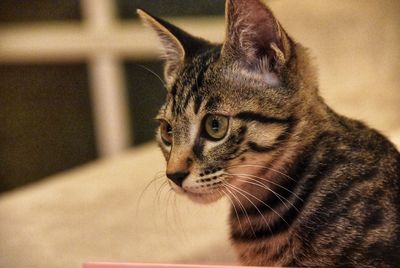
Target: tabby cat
{"type": "Point", "coordinates": [244, 120]}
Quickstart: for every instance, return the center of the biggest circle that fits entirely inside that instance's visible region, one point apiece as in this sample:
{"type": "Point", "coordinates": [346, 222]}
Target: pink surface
{"type": "Point", "coordinates": [148, 265]}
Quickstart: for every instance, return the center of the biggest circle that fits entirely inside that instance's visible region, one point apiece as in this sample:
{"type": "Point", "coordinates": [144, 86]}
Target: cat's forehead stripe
{"type": "Point", "coordinates": [190, 90]}
{"type": "Point", "coordinates": [212, 103]}
{"type": "Point", "coordinates": [187, 87]}
{"type": "Point", "coordinates": [198, 99]}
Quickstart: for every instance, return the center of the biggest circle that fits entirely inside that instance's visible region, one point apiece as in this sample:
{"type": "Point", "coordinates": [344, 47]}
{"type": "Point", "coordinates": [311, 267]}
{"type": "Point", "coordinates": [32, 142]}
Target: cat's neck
{"type": "Point", "coordinates": [281, 171]}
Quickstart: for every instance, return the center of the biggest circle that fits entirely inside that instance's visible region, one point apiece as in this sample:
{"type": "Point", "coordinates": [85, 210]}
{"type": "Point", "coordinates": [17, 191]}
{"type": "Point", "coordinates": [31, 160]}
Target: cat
{"type": "Point", "coordinates": [244, 120]}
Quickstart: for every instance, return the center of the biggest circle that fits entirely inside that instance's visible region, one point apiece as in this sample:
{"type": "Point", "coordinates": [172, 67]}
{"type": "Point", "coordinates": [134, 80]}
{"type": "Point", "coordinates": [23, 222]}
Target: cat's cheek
{"type": "Point", "coordinates": [244, 169]}
{"type": "Point", "coordinates": [250, 163]}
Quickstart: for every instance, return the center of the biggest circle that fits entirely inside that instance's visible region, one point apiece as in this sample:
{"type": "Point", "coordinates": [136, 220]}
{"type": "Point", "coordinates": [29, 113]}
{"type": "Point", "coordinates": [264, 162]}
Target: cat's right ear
{"type": "Point", "coordinates": [255, 37]}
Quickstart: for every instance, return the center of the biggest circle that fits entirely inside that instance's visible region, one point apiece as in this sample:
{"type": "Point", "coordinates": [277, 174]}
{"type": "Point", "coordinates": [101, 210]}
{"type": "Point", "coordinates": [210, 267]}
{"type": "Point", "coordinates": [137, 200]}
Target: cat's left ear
{"type": "Point", "coordinates": [254, 36]}
{"type": "Point", "coordinates": [177, 44]}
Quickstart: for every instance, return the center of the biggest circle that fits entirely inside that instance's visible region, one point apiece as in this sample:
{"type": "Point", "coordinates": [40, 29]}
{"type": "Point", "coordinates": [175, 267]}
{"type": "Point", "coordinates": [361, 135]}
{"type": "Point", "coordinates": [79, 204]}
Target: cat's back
{"type": "Point", "coordinates": [369, 148]}
{"type": "Point", "coordinates": [354, 213]}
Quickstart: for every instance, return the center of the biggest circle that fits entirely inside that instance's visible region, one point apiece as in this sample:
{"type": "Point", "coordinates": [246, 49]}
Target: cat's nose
{"type": "Point", "coordinates": [177, 177]}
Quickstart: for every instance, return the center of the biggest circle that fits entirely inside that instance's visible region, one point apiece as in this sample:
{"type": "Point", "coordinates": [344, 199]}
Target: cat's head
{"type": "Point", "coordinates": [231, 109]}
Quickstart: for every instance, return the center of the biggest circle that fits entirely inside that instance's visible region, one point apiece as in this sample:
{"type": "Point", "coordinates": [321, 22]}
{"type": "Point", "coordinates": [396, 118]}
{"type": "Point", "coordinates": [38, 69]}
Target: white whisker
{"type": "Point", "coordinates": [153, 73]}
{"type": "Point", "coordinates": [242, 208]}
{"type": "Point", "coordinates": [158, 176]}
{"type": "Point", "coordinates": [262, 202]}
{"type": "Point", "coordinates": [260, 184]}
{"type": "Point", "coordinates": [240, 191]}
{"type": "Point", "coordinates": [159, 192]}
{"type": "Point", "coordinates": [263, 167]}
{"type": "Point", "coordinates": [234, 207]}
{"type": "Point", "coordinates": [266, 180]}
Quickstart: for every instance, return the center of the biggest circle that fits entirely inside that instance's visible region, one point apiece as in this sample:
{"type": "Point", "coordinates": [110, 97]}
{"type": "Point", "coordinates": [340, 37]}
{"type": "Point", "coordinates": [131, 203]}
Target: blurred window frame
{"type": "Point", "coordinates": [104, 42]}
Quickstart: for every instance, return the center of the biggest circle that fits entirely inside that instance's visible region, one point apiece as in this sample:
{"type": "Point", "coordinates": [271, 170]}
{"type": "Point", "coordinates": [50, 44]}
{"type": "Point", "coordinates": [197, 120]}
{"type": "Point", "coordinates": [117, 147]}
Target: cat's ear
{"type": "Point", "coordinates": [177, 44]}
{"type": "Point", "coordinates": [173, 51]}
{"type": "Point", "coordinates": [254, 36]}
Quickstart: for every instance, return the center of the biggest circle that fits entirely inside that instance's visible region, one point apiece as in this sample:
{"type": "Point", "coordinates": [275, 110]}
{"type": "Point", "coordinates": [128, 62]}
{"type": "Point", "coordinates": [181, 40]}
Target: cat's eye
{"type": "Point", "coordinates": [166, 132]}
{"type": "Point", "coordinates": [216, 126]}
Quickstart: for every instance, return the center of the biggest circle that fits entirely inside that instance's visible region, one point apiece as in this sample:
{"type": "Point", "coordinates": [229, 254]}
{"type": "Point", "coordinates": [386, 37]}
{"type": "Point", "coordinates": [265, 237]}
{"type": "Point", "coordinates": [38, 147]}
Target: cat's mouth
{"type": "Point", "coordinates": [197, 193]}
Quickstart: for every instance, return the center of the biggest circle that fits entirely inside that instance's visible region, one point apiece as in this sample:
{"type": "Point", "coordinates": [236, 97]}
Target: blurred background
{"type": "Point", "coordinates": [73, 81]}
{"type": "Point", "coordinates": [78, 93]}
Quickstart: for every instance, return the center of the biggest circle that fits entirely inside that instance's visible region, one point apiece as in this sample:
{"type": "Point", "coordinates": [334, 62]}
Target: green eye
{"type": "Point", "coordinates": [166, 132]}
{"type": "Point", "coordinates": [216, 126]}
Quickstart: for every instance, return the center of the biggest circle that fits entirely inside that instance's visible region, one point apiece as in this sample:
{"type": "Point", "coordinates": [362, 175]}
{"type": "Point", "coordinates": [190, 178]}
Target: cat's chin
{"type": "Point", "coordinates": [197, 197]}
{"type": "Point", "coordinates": [203, 198]}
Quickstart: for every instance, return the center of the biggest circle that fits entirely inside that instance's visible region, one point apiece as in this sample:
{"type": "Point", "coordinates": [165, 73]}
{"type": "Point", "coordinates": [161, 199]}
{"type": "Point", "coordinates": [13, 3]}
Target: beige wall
{"type": "Point", "coordinates": [356, 45]}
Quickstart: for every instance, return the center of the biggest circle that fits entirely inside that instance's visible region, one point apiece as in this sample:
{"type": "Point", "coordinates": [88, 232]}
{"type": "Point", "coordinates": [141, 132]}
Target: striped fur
{"type": "Point", "coordinates": [308, 187]}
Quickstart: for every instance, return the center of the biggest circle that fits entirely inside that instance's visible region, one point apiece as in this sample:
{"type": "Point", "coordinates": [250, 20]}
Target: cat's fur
{"type": "Point", "coordinates": [308, 187]}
